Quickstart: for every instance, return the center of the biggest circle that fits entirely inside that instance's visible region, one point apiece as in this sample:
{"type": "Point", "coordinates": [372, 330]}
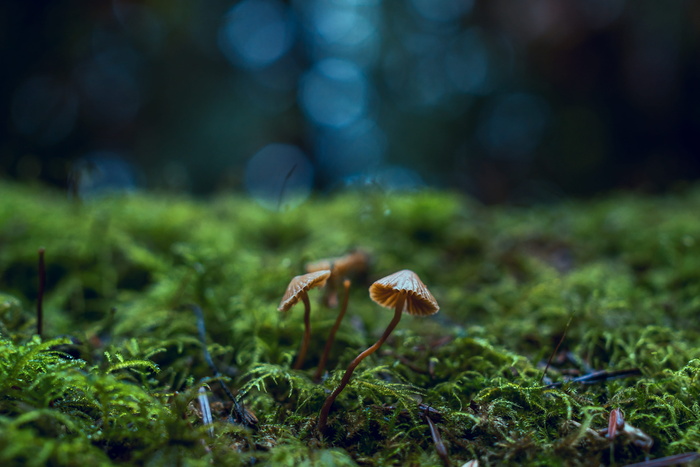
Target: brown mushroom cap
{"type": "Point", "coordinates": [350, 265]}
{"type": "Point", "coordinates": [320, 265]}
{"type": "Point", "coordinates": [353, 263]}
{"type": "Point", "coordinates": [299, 285]}
{"type": "Point", "coordinates": [418, 299]}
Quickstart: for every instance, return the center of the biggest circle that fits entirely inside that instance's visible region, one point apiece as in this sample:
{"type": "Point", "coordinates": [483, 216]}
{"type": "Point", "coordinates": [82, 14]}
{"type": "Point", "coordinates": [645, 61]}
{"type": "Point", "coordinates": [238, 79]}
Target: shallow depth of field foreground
{"type": "Point", "coordinates": [155, 307]}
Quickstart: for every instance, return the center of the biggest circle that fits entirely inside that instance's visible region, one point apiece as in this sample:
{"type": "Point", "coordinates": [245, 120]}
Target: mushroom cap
{"type": "Point", "coordinates": [299, 285]}
{"type": "Point", "coordinates": [352, 263]}
{"type": "Point", "coordinates": [418, 299]}
{"type": "Point", "coordinates": [320, 265]}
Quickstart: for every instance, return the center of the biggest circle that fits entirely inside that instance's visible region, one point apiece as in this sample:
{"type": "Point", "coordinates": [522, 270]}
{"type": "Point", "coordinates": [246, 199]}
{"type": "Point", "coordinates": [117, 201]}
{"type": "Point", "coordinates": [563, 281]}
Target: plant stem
{"type": "Point", "coordinates": [307, 333]}
{"type": "Point", "coordinates": [331, 337]}
{"type": "Point", "coordinates": [284, 185]}
{"type": "Point", "coordinates": [556, 349]}
{"type": "Point", "coordinates": [323, 415]}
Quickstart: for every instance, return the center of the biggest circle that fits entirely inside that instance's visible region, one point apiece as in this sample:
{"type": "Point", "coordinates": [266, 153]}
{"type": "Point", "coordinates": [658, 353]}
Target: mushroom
{"type": "Point", "coordinates": [352, 264]}
{"type": "Point", "coordinates": [334, 329]}
{"type": "Point", "coordinates": [298, 290]}
{"type": "Point", "coordinates": [404, 292]}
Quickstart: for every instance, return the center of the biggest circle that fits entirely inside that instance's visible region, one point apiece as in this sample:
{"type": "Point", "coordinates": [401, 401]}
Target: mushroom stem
{"type": "Point", "coordinates": [331, 337]}
{"type": "Point", "coordinates": [323, 415]}
{"type": "Point", "coordinates": [307, 333]}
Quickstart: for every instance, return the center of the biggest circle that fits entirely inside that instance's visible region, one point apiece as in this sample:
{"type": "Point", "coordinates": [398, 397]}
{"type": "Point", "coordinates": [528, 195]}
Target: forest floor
{"type": "Point", "coordinates": [608, 288]}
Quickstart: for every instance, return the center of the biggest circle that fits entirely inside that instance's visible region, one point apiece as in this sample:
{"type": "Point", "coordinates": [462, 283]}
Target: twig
{"type": "Point", "coordinates": [284, 186]}
{"type": "Point", "coordinates": [599, 376]}
{"type": "Point", "coordinates": [437, 439]}
{"type": "Point", "coordinates": [556, 349]}
{"type": "Point", "coordinates": [243, 415]}
{"type": "Point", "coordinates": [202, 331]}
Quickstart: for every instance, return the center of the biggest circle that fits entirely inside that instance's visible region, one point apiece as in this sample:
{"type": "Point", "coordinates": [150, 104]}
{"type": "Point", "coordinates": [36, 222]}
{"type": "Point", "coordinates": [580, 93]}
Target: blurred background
{"type": "Point", "coordinates": [524, 101]}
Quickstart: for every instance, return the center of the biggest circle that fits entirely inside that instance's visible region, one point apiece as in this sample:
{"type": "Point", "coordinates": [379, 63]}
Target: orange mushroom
{"type": "Point", "coordinates": [404, 292]}
{"type": "Point", "coordinates": [352, 264]}
{"type": "Point", "coordinates": [298, 290]}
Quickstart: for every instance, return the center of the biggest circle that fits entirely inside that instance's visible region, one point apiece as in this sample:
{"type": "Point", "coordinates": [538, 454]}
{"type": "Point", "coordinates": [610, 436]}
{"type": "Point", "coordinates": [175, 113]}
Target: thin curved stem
{"type": "Point", "coordinates": [307, 333]}
{"type": "Point", "coordinates": [334, 329]}
{"type": "Point", "coordinates": [323, 415]}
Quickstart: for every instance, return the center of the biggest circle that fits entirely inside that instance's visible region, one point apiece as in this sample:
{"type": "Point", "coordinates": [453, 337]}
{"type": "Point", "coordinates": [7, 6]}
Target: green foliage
{"type": "Point", "coordinates": [117, 379]}
{"type": "Point", "coordinates": [297, 385]}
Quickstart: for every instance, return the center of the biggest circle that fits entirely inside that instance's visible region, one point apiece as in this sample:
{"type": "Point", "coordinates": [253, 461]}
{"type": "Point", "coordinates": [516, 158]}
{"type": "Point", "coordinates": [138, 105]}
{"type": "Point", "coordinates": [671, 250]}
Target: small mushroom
{"type": "Point", "coordinates": [334, 329]}
{"type": "Point", "coordinates": [298, 290]}
{"type": "Point", "coordinates": [404, 292]}
{"type": "Point", "coordinates": [348, 266]}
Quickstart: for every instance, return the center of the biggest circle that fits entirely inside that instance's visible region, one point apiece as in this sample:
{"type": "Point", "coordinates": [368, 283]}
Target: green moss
{"type": "Point", "coordinates": [117, 375]}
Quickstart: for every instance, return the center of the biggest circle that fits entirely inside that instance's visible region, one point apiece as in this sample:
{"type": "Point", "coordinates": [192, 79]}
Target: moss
{"type": "Point", "coordinates": [116, 377]}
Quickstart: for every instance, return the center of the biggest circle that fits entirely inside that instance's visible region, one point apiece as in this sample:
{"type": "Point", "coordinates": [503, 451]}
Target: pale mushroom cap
{"type": "Point", "coordinates": [299, 285]}
{"type": "Point", "coordinates": [418, 299]}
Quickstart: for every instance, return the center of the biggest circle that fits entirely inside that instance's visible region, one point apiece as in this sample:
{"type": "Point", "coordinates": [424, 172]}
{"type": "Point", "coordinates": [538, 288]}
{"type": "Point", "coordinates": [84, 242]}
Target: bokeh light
{"type": "Point", "coordinates": [342, 29]}
{"type": "Point", "coordinates": [354, 149]}
{"type": "Point", "coordinates": [256, 33]}
{"type": "Point", "coordinates": [483, 97]}
{"type": "Point", "coordinates": [467, 63]}
{"type": "Point", "coordinates": [334, 93]}
{"type": "Point", "coordinates": [279, 176]}
{"type": "Point", "coordinates": [100, 173]}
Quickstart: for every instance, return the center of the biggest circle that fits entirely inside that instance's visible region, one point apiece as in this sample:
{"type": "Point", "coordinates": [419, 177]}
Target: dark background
{"type": "Point", "coordinates": [521, 101]}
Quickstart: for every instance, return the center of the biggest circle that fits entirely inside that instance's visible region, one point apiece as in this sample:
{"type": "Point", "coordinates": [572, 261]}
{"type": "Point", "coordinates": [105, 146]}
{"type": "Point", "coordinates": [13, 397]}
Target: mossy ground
{"type": "Point", "coordinates": [116, 376]}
